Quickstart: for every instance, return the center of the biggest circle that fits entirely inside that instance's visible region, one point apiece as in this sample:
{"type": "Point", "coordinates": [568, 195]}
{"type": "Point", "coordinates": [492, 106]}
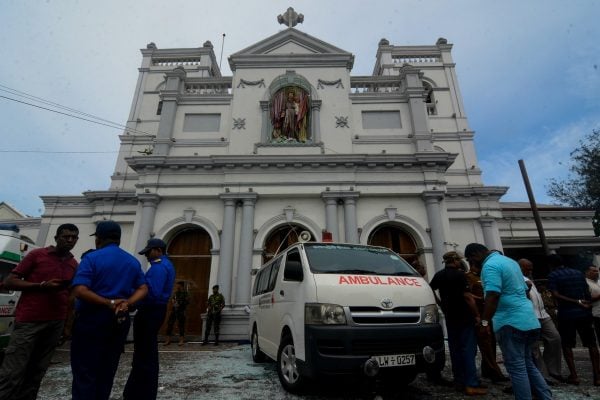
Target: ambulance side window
{"type": "Point", "coordinates": [293, 267]}
{"type": "Point", "coordinates": [5, 269]}
{"type": "Point", "coordinates": [273, 276]}
{"type": "Point", "coordinates": [262, 280]}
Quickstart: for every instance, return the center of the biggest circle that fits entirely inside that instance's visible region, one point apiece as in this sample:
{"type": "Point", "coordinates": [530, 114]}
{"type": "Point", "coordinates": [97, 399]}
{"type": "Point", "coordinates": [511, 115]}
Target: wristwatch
{"type": "Point", "coordinates": [484, 322]}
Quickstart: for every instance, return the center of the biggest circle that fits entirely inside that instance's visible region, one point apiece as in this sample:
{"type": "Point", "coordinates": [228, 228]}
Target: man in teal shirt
{"type": "Point", "coordinates": [515, 324]}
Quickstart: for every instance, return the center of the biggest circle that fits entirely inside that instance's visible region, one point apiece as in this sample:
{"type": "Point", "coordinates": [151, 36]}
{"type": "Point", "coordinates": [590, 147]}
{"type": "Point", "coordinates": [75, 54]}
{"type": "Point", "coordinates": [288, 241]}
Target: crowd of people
{"type": "Point", "coordinates": [487, 297]}
{"type": "Point", "coordinates": [487, 300]}
{"type": "Point", "coordinates": [107, 285]}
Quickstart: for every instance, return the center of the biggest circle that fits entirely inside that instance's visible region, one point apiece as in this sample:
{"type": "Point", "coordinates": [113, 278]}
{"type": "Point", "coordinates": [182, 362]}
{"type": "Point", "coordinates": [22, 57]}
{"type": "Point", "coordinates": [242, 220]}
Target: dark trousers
{"type": "Point", "coordinates": [96, 347]}
{"type": "Point", "coordinates": [210, 319]}
{"type": "Point", "coordinates": [27, 358]}
{"type": "Point", "coordinates": [143, 379]}
{"type": "Point", "coordinates": [462, 344]}
{"type": "Point", "coordinates": [178, 316]}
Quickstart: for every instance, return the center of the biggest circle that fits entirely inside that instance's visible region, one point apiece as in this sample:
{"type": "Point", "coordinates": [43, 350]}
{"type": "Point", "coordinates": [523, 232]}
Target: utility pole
{"type": "Point", "coordinates": [536, 214]}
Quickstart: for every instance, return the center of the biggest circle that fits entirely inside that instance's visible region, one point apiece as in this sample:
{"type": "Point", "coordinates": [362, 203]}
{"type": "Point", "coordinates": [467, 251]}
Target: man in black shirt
{"type": "Point", "coordinates": [462, 316]}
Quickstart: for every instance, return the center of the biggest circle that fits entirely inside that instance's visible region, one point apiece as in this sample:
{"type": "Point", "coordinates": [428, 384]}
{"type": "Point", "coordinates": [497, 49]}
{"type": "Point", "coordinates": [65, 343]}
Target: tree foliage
{"type": "Point", "coordinates": [581, 188]}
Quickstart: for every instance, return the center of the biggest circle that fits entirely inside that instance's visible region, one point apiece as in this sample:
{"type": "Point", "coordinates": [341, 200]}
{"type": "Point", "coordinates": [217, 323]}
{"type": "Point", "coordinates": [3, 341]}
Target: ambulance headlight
{"type": "Point", "coordinates": [430, 314]}
{"type": "Point", "coordinates": [324, 314]}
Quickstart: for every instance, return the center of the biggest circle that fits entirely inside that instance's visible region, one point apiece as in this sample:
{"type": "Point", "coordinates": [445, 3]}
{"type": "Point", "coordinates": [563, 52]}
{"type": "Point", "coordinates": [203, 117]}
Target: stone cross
{"type": "Point", "coordinates": [290, 18]}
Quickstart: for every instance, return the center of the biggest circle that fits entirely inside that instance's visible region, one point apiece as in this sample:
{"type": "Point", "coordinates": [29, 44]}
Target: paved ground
{"type": "Point", "coordinates": [227, 372]}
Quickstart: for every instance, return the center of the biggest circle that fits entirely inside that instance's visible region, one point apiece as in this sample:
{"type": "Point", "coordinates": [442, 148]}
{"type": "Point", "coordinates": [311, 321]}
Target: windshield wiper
{"type": "Point", "coordinates": [353, 271]}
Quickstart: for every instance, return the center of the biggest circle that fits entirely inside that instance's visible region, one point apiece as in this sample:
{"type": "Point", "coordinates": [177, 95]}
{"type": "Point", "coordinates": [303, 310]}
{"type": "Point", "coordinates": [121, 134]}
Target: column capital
{"type": "Point", "coordinates": [340, 194]}
{"type": "Point", "coordinates": [247, 196]}
{"type": "Point", "coordinates": [433, 195]}
{"type": "Point", "coordinates": [264, 105]}
{"type": "Point", "coordinates": [486, 220]}
{"type": "Point", "coordinates": [149, 199]}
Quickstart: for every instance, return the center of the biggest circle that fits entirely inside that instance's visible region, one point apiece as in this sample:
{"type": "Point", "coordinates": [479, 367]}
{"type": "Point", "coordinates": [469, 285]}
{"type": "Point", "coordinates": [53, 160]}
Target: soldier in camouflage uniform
{"type": "Point", "coordinates": [216, 302]}
{"type": "Point", "coordinates": [180, 301]}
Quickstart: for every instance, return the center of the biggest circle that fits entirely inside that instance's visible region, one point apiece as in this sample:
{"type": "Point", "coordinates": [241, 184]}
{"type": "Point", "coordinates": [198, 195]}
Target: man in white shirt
{"type": "Point", "coordinates": [591, 276]}
{"type": "Point", "coordinates": [549, 363]}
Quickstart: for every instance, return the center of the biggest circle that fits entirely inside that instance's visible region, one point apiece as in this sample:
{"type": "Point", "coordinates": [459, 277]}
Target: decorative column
{"type": "Point", "coordinates": [491, 235]}
{"type": "Point", "coordinates": [227, 239]}
{"type": "Point", "coordinates": [264, 107]}
{"type": "Point", "coordinates": [418, 114]}
{"type": "Point", "coordinates": [315, 123]}
{"type": "Point", "coordinates": [242, 292]}
{"type": "Point", "coordinates": [434, 216]}
{"type": "Point", "coordinates": [331, 214]}
{"type": "Point", "coordinates": [169, 97]}
{"type": "Point", "coordinates": [350, 224]}
{"type": "Point", "coordinates": [149, 204]}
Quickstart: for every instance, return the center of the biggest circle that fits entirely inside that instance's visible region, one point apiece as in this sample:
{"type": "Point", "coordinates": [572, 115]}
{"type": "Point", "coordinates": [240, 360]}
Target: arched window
{"type": "Point", "coordinates": [280, 239]}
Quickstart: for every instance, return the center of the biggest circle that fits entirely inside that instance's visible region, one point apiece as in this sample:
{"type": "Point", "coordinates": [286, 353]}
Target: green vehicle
{"type": "Point", "coordinates": [12, 251]}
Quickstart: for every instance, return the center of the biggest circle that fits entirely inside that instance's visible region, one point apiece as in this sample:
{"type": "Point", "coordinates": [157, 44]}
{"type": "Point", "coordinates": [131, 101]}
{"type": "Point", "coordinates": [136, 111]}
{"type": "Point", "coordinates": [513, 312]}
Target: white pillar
{"type": "Point", "coordinates": [436, 229]}
{"type": "Point", "coordinates": [227, 248]}
{"type": "Point", "coordinates": [149, 204]}
{"type": "Point", "coordinates": [242, 292]}
{"type": "Point", "coordinates": [350, 224]}
{"type": "Point", "coordinates": [331, 215]}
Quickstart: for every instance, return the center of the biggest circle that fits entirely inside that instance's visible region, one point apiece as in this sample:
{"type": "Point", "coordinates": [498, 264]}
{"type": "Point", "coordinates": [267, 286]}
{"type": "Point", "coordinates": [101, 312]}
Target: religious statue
{"type": "Point", "coordinates": [289, 115]}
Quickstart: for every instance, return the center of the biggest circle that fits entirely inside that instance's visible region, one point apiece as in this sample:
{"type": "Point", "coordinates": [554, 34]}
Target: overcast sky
{"type": "Point", "coordinates": [529, 72]}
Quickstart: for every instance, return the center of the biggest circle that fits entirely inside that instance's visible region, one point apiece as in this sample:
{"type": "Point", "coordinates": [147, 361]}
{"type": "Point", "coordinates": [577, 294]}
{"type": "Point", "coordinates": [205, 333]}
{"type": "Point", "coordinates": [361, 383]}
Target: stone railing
{"type": "Point", "coordinates": [208, 86]}
{"type": "Point", "coordinates": [173, 62]}
{"type": "Point", "coordinates": [414, 59]}
{"type": "Point", "coordinates": [375, 84]}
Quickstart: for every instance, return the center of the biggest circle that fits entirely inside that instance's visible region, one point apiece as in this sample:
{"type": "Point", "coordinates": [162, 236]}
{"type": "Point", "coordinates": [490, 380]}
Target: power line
{"type": "Point", "coordinates": [108, 123]}
{"type": "Point", "coordinates": [57, 152]}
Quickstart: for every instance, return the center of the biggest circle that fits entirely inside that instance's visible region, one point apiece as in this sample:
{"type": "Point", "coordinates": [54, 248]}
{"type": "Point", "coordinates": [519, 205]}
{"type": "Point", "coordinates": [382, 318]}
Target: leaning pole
{"type": "Point", "coordinates": [536, 214]}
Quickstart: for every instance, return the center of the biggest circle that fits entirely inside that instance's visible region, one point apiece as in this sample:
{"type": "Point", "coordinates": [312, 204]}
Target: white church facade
{"type": "Point", "coordinates": [229, 169]}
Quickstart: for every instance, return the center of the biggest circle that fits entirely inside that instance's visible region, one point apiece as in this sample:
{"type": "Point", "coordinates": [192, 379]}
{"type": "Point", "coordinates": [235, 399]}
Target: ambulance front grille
{"type": "Point", "coordinates": [377, 316]}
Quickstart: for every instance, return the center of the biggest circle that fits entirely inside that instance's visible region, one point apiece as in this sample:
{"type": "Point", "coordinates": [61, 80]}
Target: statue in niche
{"type": "Point", "coordinates": [289, 116]}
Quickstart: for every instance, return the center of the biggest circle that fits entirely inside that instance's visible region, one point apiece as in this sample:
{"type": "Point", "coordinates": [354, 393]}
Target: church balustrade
{"type": "Point", "coordinates": [375, 84]}
{"type": "Point", "coordinates": [415, 59]}
{"type": "Point", "coordinates": [208, 87]}
{"type": "Point", "coordinates": [174, 62]}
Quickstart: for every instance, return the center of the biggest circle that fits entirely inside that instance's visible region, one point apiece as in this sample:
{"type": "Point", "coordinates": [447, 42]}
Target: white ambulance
{"type": "Point", "coordinates": [331, 308]}
{"type": "Point", "coordinates": [12, 250]}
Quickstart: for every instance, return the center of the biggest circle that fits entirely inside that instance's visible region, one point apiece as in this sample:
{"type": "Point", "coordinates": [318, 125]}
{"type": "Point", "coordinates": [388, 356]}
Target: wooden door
{"type": "Point", "coordinates": [396, 240]}
{"type": "Point", "coordinates": [189, 251]}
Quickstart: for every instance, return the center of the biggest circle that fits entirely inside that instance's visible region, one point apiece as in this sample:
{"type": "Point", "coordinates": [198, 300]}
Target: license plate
{"type": "Point", "coordinates": [395, 360]}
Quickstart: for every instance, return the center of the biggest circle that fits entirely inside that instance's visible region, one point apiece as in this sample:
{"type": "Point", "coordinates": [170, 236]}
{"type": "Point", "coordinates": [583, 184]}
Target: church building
{"type": "Point", "coordinates": [228, 170]}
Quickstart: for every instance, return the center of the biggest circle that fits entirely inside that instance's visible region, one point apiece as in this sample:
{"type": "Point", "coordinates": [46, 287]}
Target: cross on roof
{"type": "Point", "coordinates": [290, 18]}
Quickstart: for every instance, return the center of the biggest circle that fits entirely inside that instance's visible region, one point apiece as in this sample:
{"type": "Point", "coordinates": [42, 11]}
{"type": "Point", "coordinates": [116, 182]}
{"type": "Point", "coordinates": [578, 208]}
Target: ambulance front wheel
{"type": "Point", "coordinates": [287, 369]}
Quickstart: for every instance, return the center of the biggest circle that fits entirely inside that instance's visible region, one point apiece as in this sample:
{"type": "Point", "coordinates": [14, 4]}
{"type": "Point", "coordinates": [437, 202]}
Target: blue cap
{"type": "Point", "coordinates": [154, 244]}
{"type": "Point", "coordinates": [107, 229]}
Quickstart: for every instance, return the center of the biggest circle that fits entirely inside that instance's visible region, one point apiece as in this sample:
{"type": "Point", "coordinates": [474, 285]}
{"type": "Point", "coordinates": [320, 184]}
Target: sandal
{"type": "Point", "coordinates": [572, 380]}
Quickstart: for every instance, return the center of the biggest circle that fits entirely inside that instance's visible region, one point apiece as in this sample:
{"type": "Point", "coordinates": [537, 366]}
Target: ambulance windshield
{"type": "Point", "coordinates": [353, 259]}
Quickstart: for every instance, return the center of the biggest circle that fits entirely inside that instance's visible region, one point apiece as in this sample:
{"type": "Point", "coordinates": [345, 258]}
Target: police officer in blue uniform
{"type": "Point", "coordinates": [107, 282]}
{"type": "Point", "coordinates": [160, 278]}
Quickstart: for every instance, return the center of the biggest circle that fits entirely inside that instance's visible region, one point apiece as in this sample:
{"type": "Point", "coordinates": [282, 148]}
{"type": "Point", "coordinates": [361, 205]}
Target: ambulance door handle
{"type": "Point", "coordinates": [281, 292]}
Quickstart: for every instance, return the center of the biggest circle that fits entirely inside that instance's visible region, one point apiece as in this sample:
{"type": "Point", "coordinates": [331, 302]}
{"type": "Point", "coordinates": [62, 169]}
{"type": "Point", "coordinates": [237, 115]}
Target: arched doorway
{"type": "Point", "coordinates": [280, 239]}
{"type": "Point", "coordinates": [395, 239]}
{"type": "Point", "coordinates": [189, 251]}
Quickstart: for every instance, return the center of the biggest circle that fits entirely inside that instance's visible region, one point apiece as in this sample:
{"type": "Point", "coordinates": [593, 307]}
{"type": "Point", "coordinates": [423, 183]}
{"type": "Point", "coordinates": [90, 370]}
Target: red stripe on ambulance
{"type": "Point", "coordinates": [378, 280]}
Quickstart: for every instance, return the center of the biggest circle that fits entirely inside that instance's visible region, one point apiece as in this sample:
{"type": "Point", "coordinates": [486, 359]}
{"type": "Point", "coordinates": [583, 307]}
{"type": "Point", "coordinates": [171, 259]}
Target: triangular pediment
{"type": "Point", "coordinates": [289, 43]}
{"type": "Point", "coordinates": [291, 39]}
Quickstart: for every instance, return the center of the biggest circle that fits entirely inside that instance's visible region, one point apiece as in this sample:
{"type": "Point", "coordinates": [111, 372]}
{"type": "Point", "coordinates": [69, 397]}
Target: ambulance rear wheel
{"type": "Point", "coordinates": [287, 369]}
{"type": "Point", "coordinates": [257, 355]}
